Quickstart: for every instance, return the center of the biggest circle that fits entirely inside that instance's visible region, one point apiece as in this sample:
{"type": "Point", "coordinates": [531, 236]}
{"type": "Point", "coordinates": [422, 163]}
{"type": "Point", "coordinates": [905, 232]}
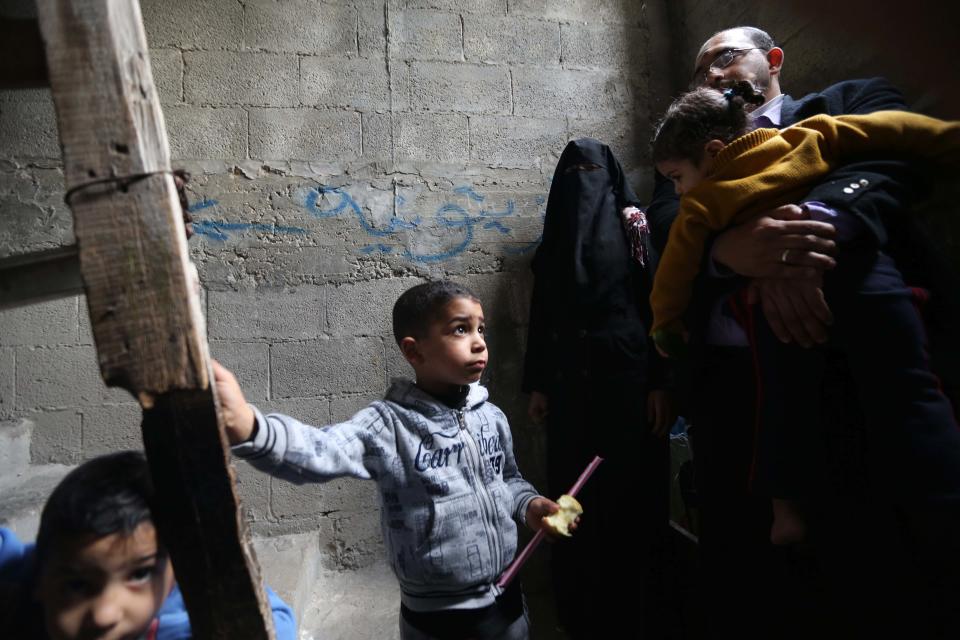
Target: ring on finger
{"type": "Point", "coordinates": [783, 256]}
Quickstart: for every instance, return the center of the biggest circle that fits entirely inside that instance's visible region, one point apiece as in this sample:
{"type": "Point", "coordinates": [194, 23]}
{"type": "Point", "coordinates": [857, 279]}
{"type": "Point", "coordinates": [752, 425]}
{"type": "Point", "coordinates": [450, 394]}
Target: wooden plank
{"type": "Point", "coordinates": [39, 276]}
{"type": "Point", "coordinates": [144, 299]}
{"type": "Point", "coordinates": [22, 62]}
{"type": "Point", "coordinates": [191, 463]}
{"type": "Point", "coordinates": [133, 253]}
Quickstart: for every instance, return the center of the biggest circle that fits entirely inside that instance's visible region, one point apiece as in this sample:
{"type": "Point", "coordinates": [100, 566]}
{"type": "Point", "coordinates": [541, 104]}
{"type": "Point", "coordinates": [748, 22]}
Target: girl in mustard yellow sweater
{"type": "Point", "coordinates": [726, 174]}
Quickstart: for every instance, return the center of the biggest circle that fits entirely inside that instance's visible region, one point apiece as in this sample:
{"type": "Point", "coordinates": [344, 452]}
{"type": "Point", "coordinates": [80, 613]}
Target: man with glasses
{"type": "Point", "coordinates": [713, 65]}
{"type": "Point", "coordinates": [748, 584]}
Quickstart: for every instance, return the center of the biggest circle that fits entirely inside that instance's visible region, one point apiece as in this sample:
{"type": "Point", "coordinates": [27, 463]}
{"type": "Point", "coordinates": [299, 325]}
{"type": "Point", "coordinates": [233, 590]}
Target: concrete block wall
{"type": "Point", "coordinates": [341, 151]}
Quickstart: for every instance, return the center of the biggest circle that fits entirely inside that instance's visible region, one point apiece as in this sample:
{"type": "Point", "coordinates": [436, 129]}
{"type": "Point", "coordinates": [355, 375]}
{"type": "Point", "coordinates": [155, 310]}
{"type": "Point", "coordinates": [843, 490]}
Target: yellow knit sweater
{"type": "Point", "coordinates": [767, 168]}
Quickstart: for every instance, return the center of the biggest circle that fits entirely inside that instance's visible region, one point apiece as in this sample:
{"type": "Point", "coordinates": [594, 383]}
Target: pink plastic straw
{"type": "Point", "coordinates": [582, 480]}
{"type": "Point", "coordinates": [524, 555]}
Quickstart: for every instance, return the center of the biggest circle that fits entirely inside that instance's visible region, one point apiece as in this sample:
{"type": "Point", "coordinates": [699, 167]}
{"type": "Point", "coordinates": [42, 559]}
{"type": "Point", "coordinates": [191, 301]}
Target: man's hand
{"type": "Point", "coordinates": [661, 412]}
{"type": "Point", "coordinates": [238, 418]}
{"type": "Point", "coordinates": [781, 243]}
{"type": "Point", "coordinates": [538, 509]}
{"type": "Point", "coordinates": [537, 407]}
{"type": "Point", "coordinates": [795, 309]}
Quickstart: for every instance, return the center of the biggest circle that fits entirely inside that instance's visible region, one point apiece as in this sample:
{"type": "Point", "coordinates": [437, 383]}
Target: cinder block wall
{"type": "Point", "coordinates": [344, 150]}
{"type": "Point", "coordinates": [341, 151]}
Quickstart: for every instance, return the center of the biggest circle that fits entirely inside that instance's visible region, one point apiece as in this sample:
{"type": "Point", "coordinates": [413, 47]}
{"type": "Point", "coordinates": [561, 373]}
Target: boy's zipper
{"type": "Point", "coordinates": [486, 502]}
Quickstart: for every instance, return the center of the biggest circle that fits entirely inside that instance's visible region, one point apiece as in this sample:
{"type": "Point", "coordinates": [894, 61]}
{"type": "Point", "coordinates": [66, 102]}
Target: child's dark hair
{"type": "Point", "coordinates": [417, 306]}
{"type": "Point", "coordinates": [106, 495]}
{"type": "Point", "coordinates": [702, 115]}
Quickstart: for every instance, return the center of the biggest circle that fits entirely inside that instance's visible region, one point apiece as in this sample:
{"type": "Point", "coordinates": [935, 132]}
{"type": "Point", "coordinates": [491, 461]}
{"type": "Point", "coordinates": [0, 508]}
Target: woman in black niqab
{"type": "Point", "coordinates": [589, 368]}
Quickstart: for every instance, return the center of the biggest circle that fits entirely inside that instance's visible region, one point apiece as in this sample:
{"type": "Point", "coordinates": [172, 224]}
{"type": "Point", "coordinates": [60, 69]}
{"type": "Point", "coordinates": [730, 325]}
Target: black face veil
{"type": "Point", "coordinates": [584, 252]}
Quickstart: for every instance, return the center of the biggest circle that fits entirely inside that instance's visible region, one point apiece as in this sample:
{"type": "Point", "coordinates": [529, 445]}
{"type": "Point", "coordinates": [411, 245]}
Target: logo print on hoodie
{"type": "Point", "coordinates": [430, 458]}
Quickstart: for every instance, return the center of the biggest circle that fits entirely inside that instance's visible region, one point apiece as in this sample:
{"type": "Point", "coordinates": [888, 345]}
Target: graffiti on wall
{"type": "Point", "coordinates": [458, 221]}
{"type": "Point", "coordinates": [325, 202]}
{"type": "Point", "coordinates": [219, 229]}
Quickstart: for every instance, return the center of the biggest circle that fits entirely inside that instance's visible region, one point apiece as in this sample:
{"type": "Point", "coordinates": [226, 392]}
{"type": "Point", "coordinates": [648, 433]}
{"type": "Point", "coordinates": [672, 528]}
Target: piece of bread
{"type": "Point", "coordinates": [561, 520]}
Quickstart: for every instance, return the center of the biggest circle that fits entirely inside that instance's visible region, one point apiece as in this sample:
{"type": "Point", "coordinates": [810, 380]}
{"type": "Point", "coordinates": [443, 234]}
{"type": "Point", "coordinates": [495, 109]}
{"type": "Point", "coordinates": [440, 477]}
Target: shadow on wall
{"type": "Point", "coordinates": [913, 43]}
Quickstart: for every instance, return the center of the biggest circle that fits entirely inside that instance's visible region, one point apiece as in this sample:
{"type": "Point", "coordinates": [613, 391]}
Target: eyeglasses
{"type": "Point", "coordinates": [723, 60]}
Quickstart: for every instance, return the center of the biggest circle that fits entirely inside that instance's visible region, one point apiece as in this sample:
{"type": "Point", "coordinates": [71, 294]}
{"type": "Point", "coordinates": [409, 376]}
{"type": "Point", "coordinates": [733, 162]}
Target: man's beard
{"type": "Point", "coordinates": [762, 81]}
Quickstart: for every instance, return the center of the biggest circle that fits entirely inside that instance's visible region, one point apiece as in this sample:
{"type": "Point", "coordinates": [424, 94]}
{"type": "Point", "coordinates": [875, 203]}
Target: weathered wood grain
{"type": "Point", "coordinates": [133, 251]}
{"type": "Point", "coordinates": [144, 302]}
{"type": "Point", "coordinates": [204, 531]}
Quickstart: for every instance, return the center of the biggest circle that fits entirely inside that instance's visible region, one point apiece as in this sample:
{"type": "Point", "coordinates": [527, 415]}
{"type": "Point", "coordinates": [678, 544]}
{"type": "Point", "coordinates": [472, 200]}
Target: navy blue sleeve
{"type": "Point", "coordinates": [872, 188]}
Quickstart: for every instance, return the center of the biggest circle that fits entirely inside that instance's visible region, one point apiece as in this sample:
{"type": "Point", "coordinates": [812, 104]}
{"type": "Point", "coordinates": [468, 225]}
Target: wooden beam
{"type": "Point", "coordinates": [39, 276]}
{"type": "Point", "coordinates": [192, 464]}
{"type": "Point", "coordinates": [144, 299]}
{"type": "Point", "coordinates": [133, 251]}
{"type": "Point", "coordinates": [22, 61]}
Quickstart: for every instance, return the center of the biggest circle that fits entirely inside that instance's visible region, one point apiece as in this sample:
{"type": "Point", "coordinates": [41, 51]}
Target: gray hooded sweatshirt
{"type": "Point", "coordinates": [450, 490]}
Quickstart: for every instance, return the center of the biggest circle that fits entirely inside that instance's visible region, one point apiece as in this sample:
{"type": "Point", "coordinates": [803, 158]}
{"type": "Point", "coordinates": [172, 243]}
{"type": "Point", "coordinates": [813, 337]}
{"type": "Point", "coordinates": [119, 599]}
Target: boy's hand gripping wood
{"type": "Point", "coordinates": [144, 304]}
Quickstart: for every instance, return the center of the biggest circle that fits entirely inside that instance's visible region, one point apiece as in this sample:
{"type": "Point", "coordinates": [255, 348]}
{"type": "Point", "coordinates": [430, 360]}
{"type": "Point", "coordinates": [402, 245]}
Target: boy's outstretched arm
{"type": "Point", "coordinates": [238, 417]}
{"type": "Point", "coordinates": [287, 448]}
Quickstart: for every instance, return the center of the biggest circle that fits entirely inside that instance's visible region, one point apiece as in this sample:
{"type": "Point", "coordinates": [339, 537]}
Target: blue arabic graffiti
{"type": "Point", "coordinates": [346, 202]}
{"type": "Point", "coordinates": [217, 229]}
{"type": "Point", "coordinates": [449, 215]}
{"type": "Point", "coordinates": [327, 202]}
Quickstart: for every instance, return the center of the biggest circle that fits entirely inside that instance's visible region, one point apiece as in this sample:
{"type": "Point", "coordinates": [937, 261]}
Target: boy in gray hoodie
{"type": "Point", "coordinates": [442, 456]}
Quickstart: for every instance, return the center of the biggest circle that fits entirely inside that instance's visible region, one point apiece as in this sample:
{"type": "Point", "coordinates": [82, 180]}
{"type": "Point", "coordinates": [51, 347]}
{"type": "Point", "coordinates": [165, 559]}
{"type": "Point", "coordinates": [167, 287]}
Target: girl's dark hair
{"type": "Point", "coordinates": [702, 115]}
{"type": "Point", "coordinates": [106, 495]}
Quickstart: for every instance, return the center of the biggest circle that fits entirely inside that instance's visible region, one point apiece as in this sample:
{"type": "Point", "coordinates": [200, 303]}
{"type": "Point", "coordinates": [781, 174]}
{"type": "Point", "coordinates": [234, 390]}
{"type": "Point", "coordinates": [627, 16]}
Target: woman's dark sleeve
{"type": "Point", "coordinates": [538, 360]}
